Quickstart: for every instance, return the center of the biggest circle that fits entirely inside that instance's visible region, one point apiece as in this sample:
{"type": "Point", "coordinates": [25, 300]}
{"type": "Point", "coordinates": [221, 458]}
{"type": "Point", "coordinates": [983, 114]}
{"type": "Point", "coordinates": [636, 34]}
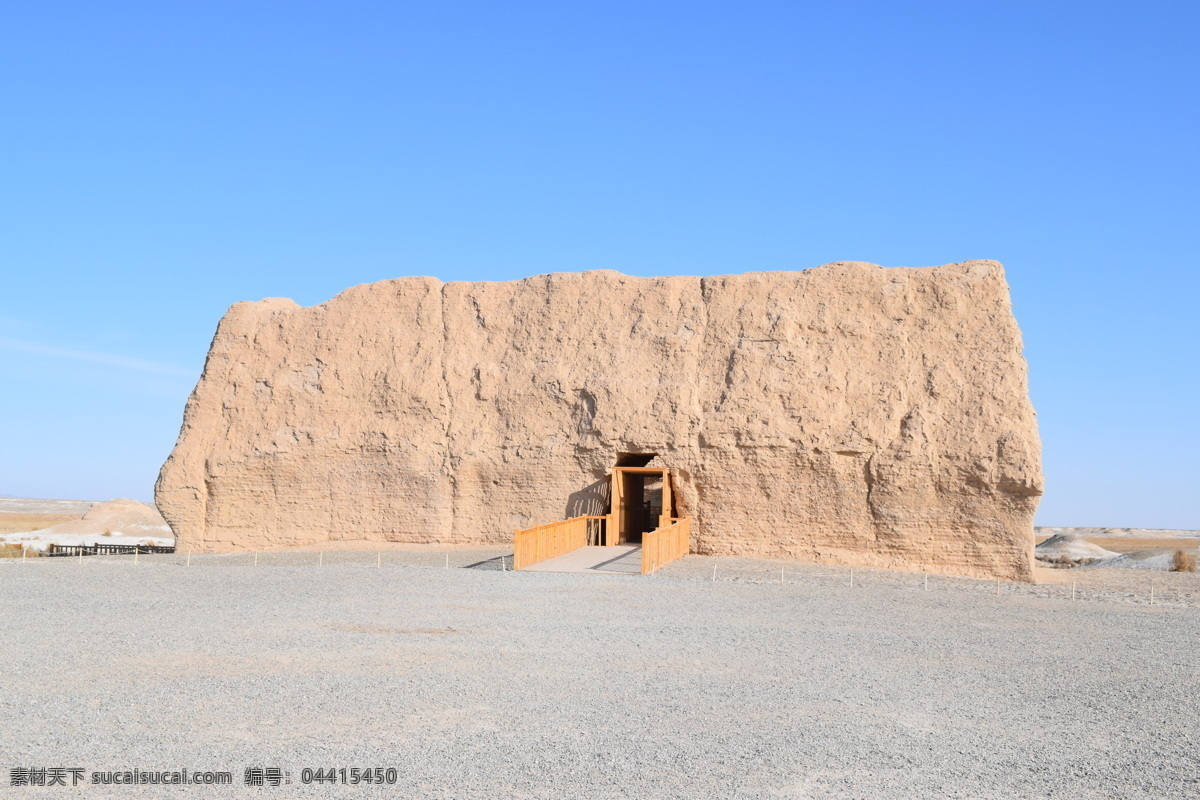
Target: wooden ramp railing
{"type": "Point", "coordinates": [555, 539]}
{"type": "Point", "coordinates": [665, 545]}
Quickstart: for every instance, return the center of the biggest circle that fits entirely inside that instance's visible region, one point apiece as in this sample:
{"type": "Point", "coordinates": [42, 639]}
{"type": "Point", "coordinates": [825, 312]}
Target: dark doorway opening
{"type": "Point", "coordinates": [635, 459]}
{"type": "Point", "coordinates": [643, 505]}
{"type": "Point", "coordinates": [641, 502]}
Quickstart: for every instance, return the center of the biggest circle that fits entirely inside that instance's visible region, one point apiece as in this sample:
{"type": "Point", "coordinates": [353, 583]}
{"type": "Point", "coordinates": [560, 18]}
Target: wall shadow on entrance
{"type": "Point", "coordinates": [590, 501]}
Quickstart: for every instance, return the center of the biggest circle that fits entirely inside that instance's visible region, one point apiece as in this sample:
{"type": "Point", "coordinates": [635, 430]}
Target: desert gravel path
{"type": "Point", "coordinates": [488, 684]}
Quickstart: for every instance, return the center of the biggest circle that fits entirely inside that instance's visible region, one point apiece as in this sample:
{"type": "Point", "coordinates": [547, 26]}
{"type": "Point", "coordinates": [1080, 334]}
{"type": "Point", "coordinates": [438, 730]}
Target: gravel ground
{"type": "Point", "coordinates": [478, 683]}
{"type": "Point", "coordinates": [1126, 586]}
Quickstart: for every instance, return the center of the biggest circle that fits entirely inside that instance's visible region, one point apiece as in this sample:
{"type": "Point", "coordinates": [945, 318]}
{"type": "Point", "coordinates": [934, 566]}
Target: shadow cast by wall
{"type": "Point", "coordinates": [590, 501]}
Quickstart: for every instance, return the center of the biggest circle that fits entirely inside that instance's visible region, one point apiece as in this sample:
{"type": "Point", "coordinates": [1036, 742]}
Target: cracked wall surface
{"type": "Point", "coordinates": [849, 413]}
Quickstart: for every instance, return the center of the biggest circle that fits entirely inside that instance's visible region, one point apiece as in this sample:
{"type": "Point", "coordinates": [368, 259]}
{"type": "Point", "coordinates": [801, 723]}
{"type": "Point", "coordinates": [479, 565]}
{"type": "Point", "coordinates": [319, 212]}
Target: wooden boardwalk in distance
{"type": "Point", "coordinates": [624, 559]}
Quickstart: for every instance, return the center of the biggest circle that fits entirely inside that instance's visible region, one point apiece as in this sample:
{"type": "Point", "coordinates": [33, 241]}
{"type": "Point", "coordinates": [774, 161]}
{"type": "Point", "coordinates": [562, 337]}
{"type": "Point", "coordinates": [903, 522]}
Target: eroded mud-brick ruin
{"type": "Point", "coordinates": [849, 414]}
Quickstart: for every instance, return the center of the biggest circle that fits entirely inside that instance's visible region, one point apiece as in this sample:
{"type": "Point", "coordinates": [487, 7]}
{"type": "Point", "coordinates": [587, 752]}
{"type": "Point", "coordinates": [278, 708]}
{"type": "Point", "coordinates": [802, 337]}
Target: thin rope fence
{"type": "Point", "coordinates": [1138, 587]}
{"type": "Point", "coordinates": [495, 558]}
{"type": "Point", "coordinates": [1166, 589]}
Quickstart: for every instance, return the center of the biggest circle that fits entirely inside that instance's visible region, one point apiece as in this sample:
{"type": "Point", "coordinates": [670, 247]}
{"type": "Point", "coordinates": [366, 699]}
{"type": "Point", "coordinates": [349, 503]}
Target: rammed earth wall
{"type": "Point", "coordinates": [847, 413]}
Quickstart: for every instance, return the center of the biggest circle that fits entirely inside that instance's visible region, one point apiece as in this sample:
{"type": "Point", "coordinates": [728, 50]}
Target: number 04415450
{"type": "Point", "coordinates": [352, 775]}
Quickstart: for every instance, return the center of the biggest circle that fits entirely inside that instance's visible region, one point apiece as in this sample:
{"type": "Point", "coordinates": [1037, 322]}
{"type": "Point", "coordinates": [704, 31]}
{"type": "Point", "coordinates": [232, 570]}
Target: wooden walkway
{"type": "Point", "coordinates": [625, 559]}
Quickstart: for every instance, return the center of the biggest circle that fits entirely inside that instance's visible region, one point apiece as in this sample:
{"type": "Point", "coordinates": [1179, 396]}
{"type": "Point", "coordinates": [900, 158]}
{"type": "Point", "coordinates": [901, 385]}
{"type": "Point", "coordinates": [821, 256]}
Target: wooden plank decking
{"type": "Point", "coordinates": [624, 559]}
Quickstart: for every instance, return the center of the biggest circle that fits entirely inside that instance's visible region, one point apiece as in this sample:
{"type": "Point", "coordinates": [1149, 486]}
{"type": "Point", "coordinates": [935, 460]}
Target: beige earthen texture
{"type": "Point", "coordinates": [121, 516]}
{"type": "Point", "coordinates": [849, 414]}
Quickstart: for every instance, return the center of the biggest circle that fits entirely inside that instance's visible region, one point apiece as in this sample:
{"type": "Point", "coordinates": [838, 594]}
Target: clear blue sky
{"type": "Point", "coordinates": [162, 160]}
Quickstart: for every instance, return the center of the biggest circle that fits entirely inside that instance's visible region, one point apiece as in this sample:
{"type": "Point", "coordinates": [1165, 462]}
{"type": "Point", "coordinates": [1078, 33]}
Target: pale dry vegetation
{"type": "Point", "coordinates": [1184, 561]}
{"type": "Point", "coordinates": [16, 550]}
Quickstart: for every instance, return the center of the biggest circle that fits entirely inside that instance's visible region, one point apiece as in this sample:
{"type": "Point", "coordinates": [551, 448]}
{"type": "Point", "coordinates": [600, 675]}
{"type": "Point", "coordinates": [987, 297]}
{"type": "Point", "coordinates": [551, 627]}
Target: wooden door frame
{"type": "Point", "coordinates": [614, 526]}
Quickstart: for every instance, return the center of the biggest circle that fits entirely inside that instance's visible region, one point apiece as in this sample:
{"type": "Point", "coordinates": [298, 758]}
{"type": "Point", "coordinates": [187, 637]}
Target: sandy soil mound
{"type": "Point", "coordinates": [119, 521]}
{"type": "Point", "coordinates": [1070, 548]}
{"type": "Point", "coordinates": [1161, 560]}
